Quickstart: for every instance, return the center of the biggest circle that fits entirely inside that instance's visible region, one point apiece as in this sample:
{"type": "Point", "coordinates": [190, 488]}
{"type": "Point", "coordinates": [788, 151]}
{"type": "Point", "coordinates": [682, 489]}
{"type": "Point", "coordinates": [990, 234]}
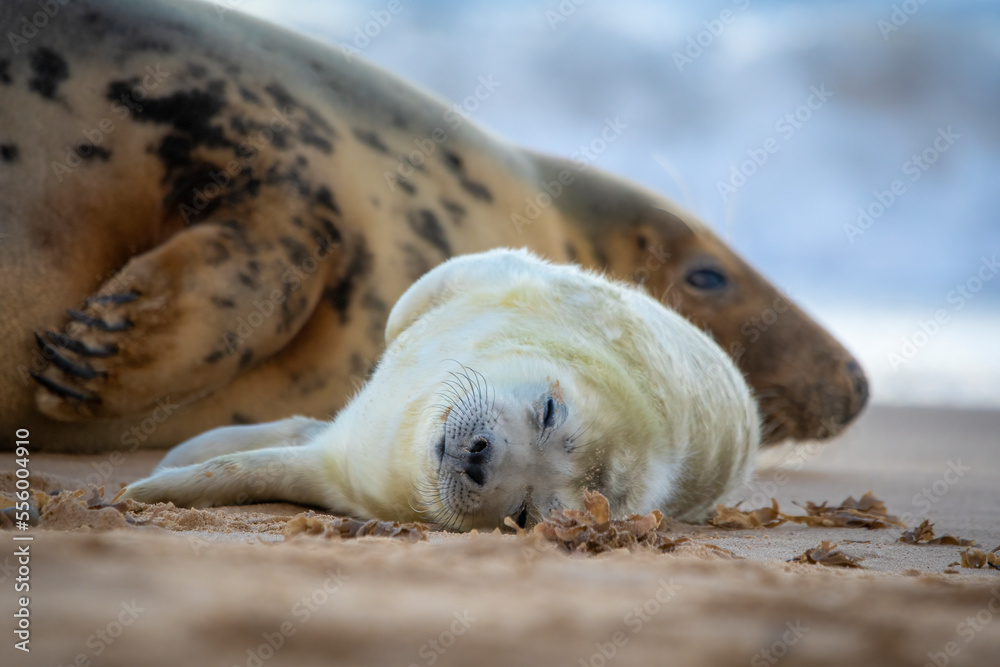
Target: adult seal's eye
{"type": "Point", "coordinates": [706, 279]}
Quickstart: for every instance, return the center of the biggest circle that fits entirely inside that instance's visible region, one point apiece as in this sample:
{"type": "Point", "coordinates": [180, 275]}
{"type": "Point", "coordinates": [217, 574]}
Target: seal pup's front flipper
{"type": "Point", "coordinates": [277, 474]}
{"type": "Point", "coordinates": [290, 432]}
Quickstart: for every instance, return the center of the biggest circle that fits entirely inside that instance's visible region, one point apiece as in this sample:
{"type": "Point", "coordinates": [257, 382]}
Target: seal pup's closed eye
{"type": "Point", "coordinates": [509, 386]}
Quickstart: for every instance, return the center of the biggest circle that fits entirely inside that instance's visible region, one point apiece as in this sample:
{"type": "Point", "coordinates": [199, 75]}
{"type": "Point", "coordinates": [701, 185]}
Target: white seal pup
{"type": "Point", "coordinates": [509, 386]}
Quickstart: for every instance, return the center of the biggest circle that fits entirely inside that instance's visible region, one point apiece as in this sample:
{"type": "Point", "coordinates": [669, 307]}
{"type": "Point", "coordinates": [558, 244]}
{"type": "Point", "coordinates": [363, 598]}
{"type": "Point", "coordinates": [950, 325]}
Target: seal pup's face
{"type": "Point", "coordinates": [502, 449]}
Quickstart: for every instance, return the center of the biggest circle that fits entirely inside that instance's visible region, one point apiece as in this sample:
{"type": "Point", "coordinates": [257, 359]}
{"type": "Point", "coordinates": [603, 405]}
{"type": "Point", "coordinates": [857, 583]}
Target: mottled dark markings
{"type": "Point", "coordinates": [239, 418]}
{"type": "Point", "coordinates": [338, 296]}
{"type": "Point", "coordinates": [253, 267]}
{"type": "Point", "coordinates": [378, 314]}
{"type": "Point", "coordinates": [246, 358]}
{"type": "Point", "coordinates": [5, 77]}
{"type": "Point", "coordinates": [301, 160]}
{"type": "Point", "coordinates": [150, 44]}
{"type": "Point", "coordinates": [373, 301]}
{"type": "Point", "coordinates": [405, 185]}
{"type": "Point", "coordinates": [416, 166]}
{"type": "Point", "coordinates": [426, 224]}
{"type": "Point", "coordinates": [308, 136]}
{"type": "Point", "coordinates": [189, 113]}
{"type": "Point", "coordinates": [371, 139]}
{"type": "Point", "coordinates": [416, 263]}
{"type": "Point", "coordinates": [452, 160]}
{"type": "Point", "coordinates": [290, 312]}
{"type": "Point", "coordinates": [328, 234]}
{"type": "Point", "coordinates": [316, 66]}
{"type": "Point", "coordinates": [48, 71]}
{"type": "Point", "coordinates": [249, 281]}
{"type": "Point", "coordinates": [477, 190]}
{"type": "Point", "coordinates": [9, 152]}
{"type": "Point", "coordinates": [324, 197]}
{"type": "Point", "coordinates": [249, 96]}
{"type": "Point", "coordinates": [286, 101]}
{"type": "Point", "coordinates": [217, 253]}
{"type": "Point", "coordinates": [215, 357]}
{"type": "Point", "coordinates": [239, 125]}
{"type": "Point", "coordinates": [196, 70]}
{"type": "Point", "coordinates": [281, 96]}
{"type": "Point", "coordinates": [456, 211]}
{"type": "Point", "coordinates": [223, 302]}
{"type": "Point", "coordinates": [296, 252]}
{"type": "Point", "coordinates": [291, 177]}
{"type": "Point", "coordinates": [455, 164]}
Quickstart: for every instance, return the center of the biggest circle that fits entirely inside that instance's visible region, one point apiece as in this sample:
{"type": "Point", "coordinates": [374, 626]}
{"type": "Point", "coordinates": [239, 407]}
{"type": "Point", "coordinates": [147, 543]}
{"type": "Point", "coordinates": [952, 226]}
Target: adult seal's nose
{"type": "Point", "coordinates": [859, 390]}
{"type": "Point", "coordinates": [474, 456]}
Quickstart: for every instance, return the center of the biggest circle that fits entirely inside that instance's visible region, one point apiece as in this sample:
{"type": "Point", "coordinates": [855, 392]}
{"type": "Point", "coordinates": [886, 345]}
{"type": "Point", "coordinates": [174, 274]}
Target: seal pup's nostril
{"type": "Point", "coordinates": [475, 472]}
{"type": "Point", "coordinates": [478, 445]}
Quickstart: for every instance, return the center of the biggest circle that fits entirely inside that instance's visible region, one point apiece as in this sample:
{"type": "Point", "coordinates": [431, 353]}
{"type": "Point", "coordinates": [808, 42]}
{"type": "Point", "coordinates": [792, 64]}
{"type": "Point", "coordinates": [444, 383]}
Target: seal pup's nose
{"type": "Point", "coordinates": [475, 457]}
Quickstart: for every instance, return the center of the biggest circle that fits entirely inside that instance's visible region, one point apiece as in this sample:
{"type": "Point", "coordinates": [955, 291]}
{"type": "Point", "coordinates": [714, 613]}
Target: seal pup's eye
{"type": "Point", "coordinates": [706, 279]}
{"type": "Point", "coordinates": [549, 414]}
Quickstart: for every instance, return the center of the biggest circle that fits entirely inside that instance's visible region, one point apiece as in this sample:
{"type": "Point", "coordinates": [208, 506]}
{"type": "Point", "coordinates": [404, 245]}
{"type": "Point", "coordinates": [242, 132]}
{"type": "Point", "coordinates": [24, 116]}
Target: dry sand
{"type": "Point", "coordinates": [162, 586]}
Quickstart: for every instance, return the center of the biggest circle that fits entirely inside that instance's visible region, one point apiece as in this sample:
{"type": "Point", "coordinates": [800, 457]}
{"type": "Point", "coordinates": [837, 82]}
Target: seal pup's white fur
{"type": "Point", "coordinates": [509, 386]}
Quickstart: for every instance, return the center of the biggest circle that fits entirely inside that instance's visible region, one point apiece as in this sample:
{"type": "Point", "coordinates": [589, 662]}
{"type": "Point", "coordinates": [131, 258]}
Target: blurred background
{"type": "Point", "coordinates": [850, 150]}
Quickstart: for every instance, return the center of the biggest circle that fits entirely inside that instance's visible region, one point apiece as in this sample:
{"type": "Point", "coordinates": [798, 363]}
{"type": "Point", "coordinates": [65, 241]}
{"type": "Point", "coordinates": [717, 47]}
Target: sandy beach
{"type": "Point", "coordinates": [161, 586]}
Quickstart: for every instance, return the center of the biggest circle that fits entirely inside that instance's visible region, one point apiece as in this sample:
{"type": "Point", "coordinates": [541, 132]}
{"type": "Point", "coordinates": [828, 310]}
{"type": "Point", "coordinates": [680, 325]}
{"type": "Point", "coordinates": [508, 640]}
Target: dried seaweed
{"type": "Point", "coordinates": [318, 525]}
{"type": "Point", "coordinates": [827, 554]}
{"type": "Point", "coordinates": [978, 559]}
{"type": "Point", "coordinates": [593, 531]}
{"type": "Point", "coordinates": [869, 512]}
{"type": "Point", "coordinates": [736, 519]}
{"type": "Point", "coordinates": [924, 534]}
